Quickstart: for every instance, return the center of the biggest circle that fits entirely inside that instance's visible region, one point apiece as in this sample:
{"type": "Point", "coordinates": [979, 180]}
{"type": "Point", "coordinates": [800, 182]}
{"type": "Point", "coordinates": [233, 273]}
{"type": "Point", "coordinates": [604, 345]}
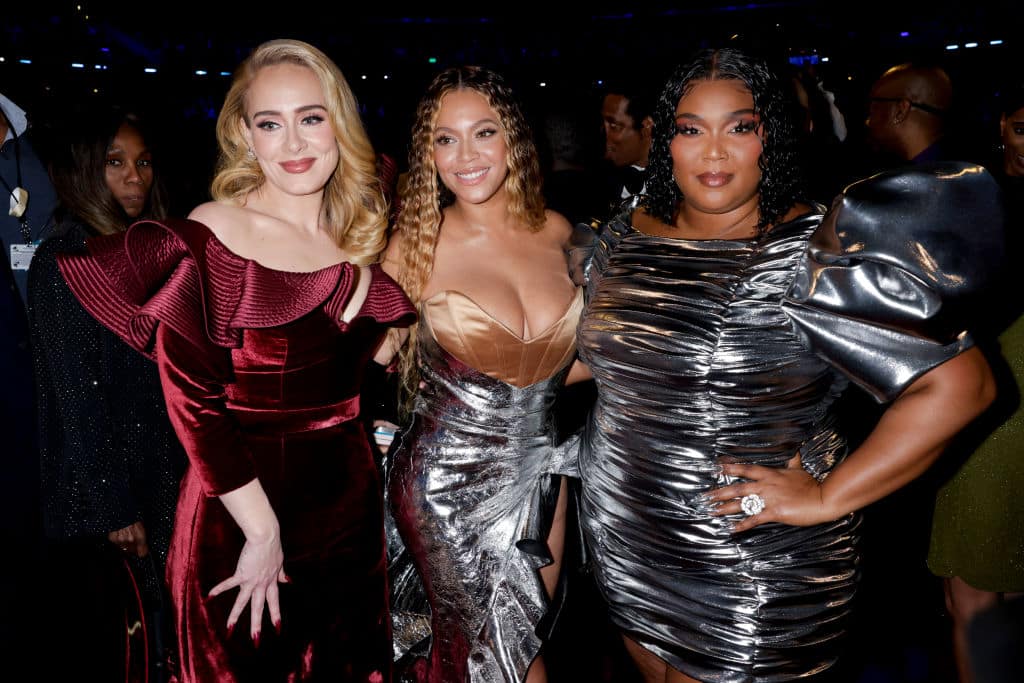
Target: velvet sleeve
{"type": "Point", "coordinates": [882, 290]}
{"type": "Point", "coordinates": [86, 480]}
{"type": "Point", "coordinates": [194, 376]}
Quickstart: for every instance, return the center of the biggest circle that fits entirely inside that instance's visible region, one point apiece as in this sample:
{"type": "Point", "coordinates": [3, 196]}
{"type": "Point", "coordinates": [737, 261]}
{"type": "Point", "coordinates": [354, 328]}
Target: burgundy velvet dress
{"type": "Point", "coordinates": [261, 378]}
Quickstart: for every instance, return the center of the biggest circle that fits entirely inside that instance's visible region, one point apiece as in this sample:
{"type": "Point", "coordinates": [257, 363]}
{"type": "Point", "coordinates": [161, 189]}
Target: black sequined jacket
{"type": "Point", "coordinates": [108, 454]}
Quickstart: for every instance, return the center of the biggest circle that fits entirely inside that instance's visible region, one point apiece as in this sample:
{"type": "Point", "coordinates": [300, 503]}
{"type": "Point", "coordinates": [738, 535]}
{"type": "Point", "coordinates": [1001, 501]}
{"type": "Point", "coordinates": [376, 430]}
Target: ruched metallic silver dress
{"type": "Point", "coordinates": [710, 350]}
{"type": "Point", "coordinates": [472, 485]}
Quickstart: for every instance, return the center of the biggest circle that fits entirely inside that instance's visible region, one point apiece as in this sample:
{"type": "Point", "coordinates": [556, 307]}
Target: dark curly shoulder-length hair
{"type": "Point", "coordinates": [780, 177]}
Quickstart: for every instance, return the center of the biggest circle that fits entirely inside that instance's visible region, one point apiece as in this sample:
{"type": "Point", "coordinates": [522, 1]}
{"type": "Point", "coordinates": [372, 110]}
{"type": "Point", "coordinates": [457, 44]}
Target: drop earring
{"type": "Point", "coordinates": [251, 154]}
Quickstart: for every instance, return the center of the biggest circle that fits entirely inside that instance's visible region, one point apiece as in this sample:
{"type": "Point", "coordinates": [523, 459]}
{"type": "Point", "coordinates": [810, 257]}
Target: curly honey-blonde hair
{"type": "Point", "coordinates": [354, 210]}
{"type": "Point", "coordinates": [424, 196]}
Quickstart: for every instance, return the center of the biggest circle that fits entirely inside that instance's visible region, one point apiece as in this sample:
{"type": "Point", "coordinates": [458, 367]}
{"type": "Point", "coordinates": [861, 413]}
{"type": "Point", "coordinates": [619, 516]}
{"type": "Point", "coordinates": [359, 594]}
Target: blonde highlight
{"type": "Point", "coordinates": [424, 196]}
{"type": "Point", "coordinates": [354, 209]}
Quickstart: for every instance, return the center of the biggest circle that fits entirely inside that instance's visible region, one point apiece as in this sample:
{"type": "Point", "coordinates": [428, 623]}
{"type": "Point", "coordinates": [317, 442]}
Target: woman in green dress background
{"type": "Point", "coordinates": [977, 541]}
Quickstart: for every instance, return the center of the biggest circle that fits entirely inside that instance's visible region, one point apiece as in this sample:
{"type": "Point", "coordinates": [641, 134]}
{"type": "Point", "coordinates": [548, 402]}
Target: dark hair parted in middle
{"type": "Point", "coordinates": [78, 172]}
{"type": "Point", "coordinates": [780, 177]}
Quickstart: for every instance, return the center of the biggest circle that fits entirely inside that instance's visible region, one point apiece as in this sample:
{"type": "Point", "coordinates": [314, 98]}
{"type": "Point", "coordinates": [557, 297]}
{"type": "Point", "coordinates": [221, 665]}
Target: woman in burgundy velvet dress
{"type": "Point", "coordinates": [261, 312]}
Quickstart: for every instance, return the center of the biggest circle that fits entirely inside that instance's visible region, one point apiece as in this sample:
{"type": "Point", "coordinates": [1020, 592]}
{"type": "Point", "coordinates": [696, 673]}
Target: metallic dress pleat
{"type": "Point", "coordinates": [472, 493]}
{"type": "Point", "coordinates": [706, 351]}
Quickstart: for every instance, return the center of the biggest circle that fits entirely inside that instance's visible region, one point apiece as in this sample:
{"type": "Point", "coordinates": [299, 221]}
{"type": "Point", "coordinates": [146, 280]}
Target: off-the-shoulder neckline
{"type": "Point", "coordinates": [226, 249]}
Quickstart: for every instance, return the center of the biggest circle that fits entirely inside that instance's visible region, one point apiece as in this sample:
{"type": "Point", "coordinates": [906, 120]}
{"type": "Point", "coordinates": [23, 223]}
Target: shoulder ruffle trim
{"type": "Point", "coordinates": [176, 272]}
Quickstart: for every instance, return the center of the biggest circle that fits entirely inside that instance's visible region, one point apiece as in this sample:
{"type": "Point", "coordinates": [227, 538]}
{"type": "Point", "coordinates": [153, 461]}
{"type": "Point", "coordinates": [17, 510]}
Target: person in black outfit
{"type": "Point", "coordinates": [626, 111]}
{"type": "Point", "coordinates": [24, 219]}
{"type": "Point", "coordinates": [110, 461]}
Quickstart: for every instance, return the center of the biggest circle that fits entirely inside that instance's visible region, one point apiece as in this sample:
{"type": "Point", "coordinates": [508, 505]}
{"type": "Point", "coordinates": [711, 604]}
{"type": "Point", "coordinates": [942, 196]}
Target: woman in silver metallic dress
{"type": "Point", "coordinates": [723, 318]}
{"type": "Point", "coordinates": [474, 480]}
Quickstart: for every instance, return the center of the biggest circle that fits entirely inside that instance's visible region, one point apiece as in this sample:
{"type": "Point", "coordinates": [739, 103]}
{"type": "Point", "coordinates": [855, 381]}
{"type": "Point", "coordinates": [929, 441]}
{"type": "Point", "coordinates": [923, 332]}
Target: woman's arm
{"type": "Point", "coordinates": [908, 438]}
{"type": "Point", "coordinates": [578, 373]}
{"type": "Point", "coordinates": [261, 562]}
{"type": "Point", "coordinates": [193, 378]}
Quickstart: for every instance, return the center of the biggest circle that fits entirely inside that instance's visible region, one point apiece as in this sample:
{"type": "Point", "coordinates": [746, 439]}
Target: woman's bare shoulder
{"type": "Point", "coordinates": [227, 222]}
{"type": "Point", "coordinates": [557, 227]}
{"type": "Point", "coordinates": [391, 259]}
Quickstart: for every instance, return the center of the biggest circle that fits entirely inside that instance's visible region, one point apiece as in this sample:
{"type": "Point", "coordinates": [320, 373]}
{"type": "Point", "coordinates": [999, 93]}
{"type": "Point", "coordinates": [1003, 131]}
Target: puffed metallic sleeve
{"type": "Point", "coordinates": [882, 290]}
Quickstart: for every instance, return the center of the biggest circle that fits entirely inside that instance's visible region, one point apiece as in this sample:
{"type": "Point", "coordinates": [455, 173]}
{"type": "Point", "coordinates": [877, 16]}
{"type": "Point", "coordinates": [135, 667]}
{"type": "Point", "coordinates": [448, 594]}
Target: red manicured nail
{"type": "Point", "coordinates": [256, 640]}
{"type": "Point", "coordinates": [231, 629]}
{"type": "Point", "coordinates": [277, 626]}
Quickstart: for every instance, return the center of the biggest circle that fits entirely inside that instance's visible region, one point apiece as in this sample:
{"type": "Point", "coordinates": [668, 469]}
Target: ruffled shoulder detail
{"type": "Point", "coordinates": [176, 272]}
{"type": "Point", "coordinates": [882, 288]}
{"type": "Point", "coordinates": [386, 302]}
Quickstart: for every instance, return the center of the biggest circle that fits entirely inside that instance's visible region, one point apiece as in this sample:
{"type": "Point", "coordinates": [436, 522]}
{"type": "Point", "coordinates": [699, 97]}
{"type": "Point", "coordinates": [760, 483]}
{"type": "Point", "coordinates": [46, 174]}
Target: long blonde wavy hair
{"type": "Point", "coordinates": [424, 196]}
{"type": "Point", "coordinates": [354, 210]}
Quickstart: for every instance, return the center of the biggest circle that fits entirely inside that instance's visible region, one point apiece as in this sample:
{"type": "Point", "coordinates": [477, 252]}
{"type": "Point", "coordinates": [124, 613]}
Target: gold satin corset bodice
{"type": "Point", "coordinates": [471, 335]}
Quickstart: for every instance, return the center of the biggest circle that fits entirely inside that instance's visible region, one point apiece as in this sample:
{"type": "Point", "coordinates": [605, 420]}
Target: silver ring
{"type": "Point", "coordinates": [752, 504]}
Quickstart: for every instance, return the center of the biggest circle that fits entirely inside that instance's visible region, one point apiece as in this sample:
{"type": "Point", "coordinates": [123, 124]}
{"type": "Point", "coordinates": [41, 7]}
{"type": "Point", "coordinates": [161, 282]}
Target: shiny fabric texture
{"type": "Point", "coordinates": [472, 488]}
{"type": "Point", "coordinates": [481, 342]}
{"type": "Point", "coordinates": [894, 262]}
{"type": "Point", "coordinates": [260, 390]}
{"type": "Point", "coordinates": [706, 351]}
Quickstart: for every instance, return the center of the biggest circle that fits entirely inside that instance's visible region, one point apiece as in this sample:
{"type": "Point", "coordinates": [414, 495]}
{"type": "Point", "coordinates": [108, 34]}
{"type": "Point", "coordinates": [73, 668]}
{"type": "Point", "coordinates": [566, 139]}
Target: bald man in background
{"type": "Point", "coordinates": [908, 112]}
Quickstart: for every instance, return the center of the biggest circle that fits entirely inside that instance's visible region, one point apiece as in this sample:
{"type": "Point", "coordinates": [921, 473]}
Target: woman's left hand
{"type": "Point", "coordinates": [790, 495]}
{"type": "Point", "coordinates": [131, 539]}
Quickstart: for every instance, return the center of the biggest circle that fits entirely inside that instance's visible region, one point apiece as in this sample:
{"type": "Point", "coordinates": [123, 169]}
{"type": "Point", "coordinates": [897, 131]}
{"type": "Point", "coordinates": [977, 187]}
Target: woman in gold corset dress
{"type": "Point", "coordinates": [474, 479]}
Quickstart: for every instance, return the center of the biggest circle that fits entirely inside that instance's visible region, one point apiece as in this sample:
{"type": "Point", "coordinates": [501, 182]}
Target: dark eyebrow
{"type": "Point", "coordinates": [475, 125]}
{"type": "Point", "coordinates": [308, 107]}
{"type": "Point", "coordinates": [738, 112]}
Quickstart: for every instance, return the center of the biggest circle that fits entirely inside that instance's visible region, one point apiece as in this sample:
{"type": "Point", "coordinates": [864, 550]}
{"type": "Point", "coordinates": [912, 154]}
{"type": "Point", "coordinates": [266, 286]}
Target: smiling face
{"type": "Point", "coordinates": [289, 130]}
{"type": "Point", "coordinates": [716, 149]}
{"type": "Point", "coordinates": [1012, 128]}
{"type": "Point", "coordinates": [470, 151]}
{"type": "Point", "coordinates": [129, 170]}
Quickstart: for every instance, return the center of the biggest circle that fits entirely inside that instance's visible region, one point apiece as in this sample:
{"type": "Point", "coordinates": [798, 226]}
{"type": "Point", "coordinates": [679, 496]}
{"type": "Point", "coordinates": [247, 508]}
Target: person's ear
{"type": "Point", "coordinates": [901, 110]}
{"type": "Point", "coordinates": [1002, 126]}
{"type": "Point", "coordinates": [647, 127]}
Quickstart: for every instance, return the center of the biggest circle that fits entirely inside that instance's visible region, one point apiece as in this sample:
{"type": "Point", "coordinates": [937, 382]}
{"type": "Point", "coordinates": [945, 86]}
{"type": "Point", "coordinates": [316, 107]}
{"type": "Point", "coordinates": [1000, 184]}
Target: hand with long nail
{"type": "Point", "coordinates": [790, 494]}
{"type": "Point", "coordinates": [260, 564]}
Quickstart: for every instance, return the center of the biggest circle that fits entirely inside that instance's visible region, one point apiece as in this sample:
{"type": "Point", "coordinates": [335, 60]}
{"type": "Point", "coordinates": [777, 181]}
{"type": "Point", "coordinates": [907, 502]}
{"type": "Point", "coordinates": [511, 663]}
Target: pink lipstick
{"type": "Point", "coordinates": [714, 179]}
{"type": "Point", "coordinates": [298, 166]}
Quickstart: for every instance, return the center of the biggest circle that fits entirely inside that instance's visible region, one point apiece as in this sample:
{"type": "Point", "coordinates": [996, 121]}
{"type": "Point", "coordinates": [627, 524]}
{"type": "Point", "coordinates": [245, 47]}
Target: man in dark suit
{"type": "Point", "coordinates": [626, 115]}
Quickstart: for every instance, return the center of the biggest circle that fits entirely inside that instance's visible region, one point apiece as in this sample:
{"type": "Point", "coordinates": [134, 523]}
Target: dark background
{"type": "Point", "coordinates": [385, 53]}
{"type": "Point", "coordinates": [900, 629]}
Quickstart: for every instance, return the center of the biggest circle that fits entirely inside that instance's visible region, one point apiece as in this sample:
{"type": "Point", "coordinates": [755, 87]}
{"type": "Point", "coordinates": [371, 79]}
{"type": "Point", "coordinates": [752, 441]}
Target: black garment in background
{"type": "Point", "coordinates": [19, 485]}
{"type": "Point", "coordinates": [41, 200]}
{"type": "Point", "coordinates": [577, 194]}
{"type": "Point", "coordinates": [109, 456]}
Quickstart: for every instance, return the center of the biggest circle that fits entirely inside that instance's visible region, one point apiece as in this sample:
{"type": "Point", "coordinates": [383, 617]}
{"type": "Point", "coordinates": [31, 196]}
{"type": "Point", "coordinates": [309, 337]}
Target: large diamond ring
{"type": "Point", "coordinates": [752, 504]}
